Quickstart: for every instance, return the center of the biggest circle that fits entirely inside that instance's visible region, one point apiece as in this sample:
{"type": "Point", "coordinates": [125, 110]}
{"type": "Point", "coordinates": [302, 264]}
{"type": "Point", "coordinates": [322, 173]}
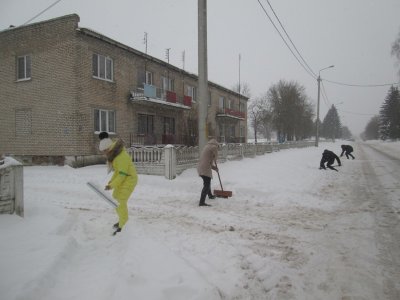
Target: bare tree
{"type": "Point", "coordinates": [396, 50]}
{"type": "Point", "coordinates": [243, 89]}
{"type": "Point", "coordinates": [291, 111]}
{"type": "Point", "coordinates": [256, 114]}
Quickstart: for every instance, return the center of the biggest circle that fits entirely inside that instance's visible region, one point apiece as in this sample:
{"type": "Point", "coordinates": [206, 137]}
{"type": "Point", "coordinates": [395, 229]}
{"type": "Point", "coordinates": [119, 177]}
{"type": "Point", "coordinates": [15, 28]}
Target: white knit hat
{"type": "Point", "coordinates": [105, 144]}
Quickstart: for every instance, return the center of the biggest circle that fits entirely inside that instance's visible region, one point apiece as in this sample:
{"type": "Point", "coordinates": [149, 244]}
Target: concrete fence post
{"type": "Point", "coordinates": [170, 162]}
{"type": "Point", "coordinates": [11, 186]}
{"type": "Point", "coordinates": [19, 190]}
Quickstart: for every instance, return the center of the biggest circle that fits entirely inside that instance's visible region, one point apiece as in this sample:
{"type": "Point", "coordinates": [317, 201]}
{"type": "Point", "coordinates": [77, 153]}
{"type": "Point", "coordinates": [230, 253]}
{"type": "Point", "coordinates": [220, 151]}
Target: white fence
{"type": "Point", "coordinates": [171, 161]}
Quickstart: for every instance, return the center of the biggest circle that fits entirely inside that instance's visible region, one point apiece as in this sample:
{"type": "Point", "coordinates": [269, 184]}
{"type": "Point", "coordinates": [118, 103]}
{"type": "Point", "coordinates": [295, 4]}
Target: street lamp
{"type": "Point", "coordinates": [317, 121]}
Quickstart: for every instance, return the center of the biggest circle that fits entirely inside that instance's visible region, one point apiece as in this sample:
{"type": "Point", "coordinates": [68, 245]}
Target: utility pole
{"type": "Point", "coordinates": [317, 122]}
{"type": "Point", "coordinates": [203, 76]}
{"type": "Point", "coordinates": [319, 92]}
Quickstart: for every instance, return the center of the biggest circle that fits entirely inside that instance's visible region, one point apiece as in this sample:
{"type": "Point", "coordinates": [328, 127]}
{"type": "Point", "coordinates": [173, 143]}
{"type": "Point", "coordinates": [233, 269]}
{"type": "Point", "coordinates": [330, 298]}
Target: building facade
{"type": "Point", "coordinates": [61, 85]}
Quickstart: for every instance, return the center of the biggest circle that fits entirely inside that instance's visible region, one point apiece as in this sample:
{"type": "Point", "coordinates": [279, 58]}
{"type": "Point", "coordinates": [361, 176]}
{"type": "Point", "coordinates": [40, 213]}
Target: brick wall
{"type": "Point", "coordinates": [52, 114]}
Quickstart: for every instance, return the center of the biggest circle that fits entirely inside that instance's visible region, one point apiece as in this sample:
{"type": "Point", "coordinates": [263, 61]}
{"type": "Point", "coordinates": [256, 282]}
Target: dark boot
{"type": "Point", "coordinates": [117, 230]}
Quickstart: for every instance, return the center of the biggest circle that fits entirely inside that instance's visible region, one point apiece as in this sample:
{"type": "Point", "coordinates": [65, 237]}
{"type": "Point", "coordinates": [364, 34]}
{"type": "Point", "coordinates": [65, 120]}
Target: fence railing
{"type": "Point", "coordinates": [171, 161]}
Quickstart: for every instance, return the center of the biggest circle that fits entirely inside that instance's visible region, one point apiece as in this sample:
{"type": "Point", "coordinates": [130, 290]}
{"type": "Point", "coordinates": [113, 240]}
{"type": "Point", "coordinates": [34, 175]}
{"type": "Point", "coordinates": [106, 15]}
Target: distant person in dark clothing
{"type": "Point", "coordinates": [329, 158]}
{"type": "Point", "coordinates": [347, 149]}
{"type": "Point", "coordinates": [103, 135]}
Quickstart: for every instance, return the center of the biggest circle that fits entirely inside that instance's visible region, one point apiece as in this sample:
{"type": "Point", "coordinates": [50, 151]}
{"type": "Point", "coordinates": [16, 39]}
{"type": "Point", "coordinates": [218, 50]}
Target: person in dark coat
{"type": "Point", "coordinates": [329, 158]}
{"type": "Point", "coordinates": [347, 149]}
{"type": "Point", "coordinates": [206, 164]}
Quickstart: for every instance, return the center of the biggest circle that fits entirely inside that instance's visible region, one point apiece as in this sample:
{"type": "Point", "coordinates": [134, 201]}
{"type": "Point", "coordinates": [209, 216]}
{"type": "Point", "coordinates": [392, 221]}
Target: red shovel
{"type": "Point", "coordinates": [221, 193]}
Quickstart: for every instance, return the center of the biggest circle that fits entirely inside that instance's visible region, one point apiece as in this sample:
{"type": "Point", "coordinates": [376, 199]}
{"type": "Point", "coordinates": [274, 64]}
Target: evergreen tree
{"type": "Point", "coordinates": [346, 133]}
{"type": "Point", "coordinates": [331, 126]}
{"type": "Point", "coordinates": [389, 115]}
{"type": "Point", "coordinates": [372, 129]}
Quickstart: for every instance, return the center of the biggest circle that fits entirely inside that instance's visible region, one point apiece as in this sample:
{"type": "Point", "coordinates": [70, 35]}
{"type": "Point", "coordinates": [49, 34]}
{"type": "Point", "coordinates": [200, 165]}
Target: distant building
{"type": "Point", "coordinates": [61, 85]}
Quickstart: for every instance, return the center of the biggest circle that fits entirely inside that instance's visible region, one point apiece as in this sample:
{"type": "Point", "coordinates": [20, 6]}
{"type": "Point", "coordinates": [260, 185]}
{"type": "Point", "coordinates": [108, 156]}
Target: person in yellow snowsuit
{"type": "Point", "coordinates": [124, 179]}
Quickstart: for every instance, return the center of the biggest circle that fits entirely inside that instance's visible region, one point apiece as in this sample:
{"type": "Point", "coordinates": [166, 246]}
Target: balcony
{"type": "Point", "coordinates": [231, 113]}
{"type": "Point", "coordinates": [153, 94]}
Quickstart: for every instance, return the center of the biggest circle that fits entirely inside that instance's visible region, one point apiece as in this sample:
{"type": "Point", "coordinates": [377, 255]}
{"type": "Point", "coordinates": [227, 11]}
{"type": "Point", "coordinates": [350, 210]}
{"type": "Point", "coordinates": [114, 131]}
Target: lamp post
{"type": "Point", "coordinates": [317, 121]}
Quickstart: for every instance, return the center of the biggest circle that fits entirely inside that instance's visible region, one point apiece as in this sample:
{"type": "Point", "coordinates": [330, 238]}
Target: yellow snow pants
{"type": "Point", "coordinates": [122, 208]}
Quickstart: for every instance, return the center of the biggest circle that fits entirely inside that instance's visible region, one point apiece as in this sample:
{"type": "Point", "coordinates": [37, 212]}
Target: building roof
{"type": "Point", "coordinates": [104, 38]}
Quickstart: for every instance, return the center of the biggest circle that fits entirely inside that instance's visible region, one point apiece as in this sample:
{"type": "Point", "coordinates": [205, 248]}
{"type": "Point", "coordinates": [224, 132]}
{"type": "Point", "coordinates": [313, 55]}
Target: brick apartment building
{"type": "Point", "coordinates": [61, 85]}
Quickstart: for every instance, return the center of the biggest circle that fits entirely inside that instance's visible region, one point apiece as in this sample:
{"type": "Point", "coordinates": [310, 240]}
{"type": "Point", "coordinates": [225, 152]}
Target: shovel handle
{"type": "Point", "coordinates": [219, 176]}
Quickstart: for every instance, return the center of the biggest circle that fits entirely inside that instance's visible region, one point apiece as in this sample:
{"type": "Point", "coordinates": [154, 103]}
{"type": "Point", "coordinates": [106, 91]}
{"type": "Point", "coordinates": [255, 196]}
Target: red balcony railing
{"type": "Point", "coordinates": [187, 100]}
{"type": "Point", "coordinates": [171, 97]}
{"type": "Point", "coordinates": [232, 112]}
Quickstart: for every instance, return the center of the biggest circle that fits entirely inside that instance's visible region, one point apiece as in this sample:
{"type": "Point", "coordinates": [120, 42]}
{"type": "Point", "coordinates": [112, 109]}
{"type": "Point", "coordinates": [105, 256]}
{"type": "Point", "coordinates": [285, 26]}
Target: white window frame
{"type": "Point", "coordinates": [167, 83]}
{"type": "Point", "coordinates": [149, 78]}
{"type": "Point", "coordinates": [104, 120]}
{"type": "Point", "coordinates": [104, 65]}
{"type": "Point", "coordinates": [192, 92]}
{"type": "Point", "coordinates": [221, 102]}
{"type": "Point", "coordinates": [242, 106]}
{"type": "Point", "coordinates": [27, 67]}
{"type": "Point", "coordinates": [229, 104]}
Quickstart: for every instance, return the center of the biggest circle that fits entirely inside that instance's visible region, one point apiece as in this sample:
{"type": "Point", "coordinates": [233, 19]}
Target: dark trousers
{"type": "Point", "coordinates": [330, 163]}
{"type": "Point", "coordinates": [349, 153]}
{"type": "Point", "coordinates": [206, 189]}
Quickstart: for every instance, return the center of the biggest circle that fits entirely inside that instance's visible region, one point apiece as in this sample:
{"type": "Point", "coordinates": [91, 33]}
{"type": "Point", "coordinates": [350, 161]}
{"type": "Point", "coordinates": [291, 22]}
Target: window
{"type": "Point", "coordinates": [169, 125]}
{"type": "Point", "coordinates": [222, 132]}
{"type": "Point", "coordinates": [209, 98]}
{"type": "Point", "coordinates": [102, 67]}
{"type": "Point", "coordinates": [149, 78]}
{"type": "Point", "coordinates": [192, 92]}
{"type": "Point", "coordinates": [229, 104]}
{"type": "Point", "coordinates": [242, 107]}
{"type": "Point", "coordinates": [146, 124]}
{"type": "Point", "coordinates": [104, 120]}
{"type": "Point", "coordinates": [221, 103]}
{"type": "Point", "coordinates": [242, 128]}
{"type": "Point", "coordinates": [232, 130]}
{"type": "Point", "coordinates": [24, 67]}
{"type": "Point", "coordinates": [167, 84]}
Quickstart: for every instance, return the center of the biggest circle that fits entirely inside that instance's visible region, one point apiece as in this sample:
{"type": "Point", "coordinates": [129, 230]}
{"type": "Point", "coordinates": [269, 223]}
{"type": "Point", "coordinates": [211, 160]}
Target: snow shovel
{"type": "Point", "coordinates": [221, 193]}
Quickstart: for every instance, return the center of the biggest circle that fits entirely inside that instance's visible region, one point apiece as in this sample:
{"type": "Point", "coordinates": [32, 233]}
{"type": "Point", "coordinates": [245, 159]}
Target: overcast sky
{"type": "Point", "coordinates": [354, 35]}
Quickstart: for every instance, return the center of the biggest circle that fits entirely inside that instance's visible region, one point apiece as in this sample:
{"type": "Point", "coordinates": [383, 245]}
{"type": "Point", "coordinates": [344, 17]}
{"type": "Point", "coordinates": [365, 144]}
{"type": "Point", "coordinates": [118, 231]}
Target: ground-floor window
{"type": "Point", "coordinates": [169, 125]}
{"type": "Point", "coordinates": [146, 124]}
{"type": "Point", "coordinates": [104, 120]}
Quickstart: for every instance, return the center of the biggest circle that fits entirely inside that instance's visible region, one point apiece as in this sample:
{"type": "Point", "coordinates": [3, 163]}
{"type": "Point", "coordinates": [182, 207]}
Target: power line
{"type": "Point", "coordinates": [355, 113]}
{"type": "Point", "coordinates": [309, 68]}
{"type": "Point", "coordinates": [362, 85]}
{"type": "Point", "coordinates": [272, 22]}
{"type": "Point", "coordinates": [41, 12]}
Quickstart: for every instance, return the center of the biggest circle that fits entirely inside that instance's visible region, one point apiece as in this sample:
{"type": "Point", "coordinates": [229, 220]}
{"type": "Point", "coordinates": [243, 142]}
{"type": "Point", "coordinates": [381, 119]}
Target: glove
{"type": "Point", "coordinates": [108, 187]}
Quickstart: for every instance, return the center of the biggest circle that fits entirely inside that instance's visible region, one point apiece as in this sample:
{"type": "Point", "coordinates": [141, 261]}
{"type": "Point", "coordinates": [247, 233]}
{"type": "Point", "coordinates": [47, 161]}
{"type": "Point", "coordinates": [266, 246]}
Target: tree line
{"type": "Point", "coordinates": [386, 125]}
{"type": "Point", "coordinates": [286, 110]}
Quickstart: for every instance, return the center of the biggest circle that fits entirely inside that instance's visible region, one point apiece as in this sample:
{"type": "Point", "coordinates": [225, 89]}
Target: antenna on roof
{"type": "Point", "coordinates": [145, 40]}
{"type": "Point", "coordinates": [167, 54]}
{"type": "Point", "coordinates": [41, 12]}
{"type": "Point", "coordinates": [183, 60]}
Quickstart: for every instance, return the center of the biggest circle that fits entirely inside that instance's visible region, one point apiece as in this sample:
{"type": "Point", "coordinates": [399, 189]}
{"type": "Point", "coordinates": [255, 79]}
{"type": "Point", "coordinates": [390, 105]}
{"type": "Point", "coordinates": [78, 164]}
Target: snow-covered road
{"type": "Point", "coordinates": [290, 231]}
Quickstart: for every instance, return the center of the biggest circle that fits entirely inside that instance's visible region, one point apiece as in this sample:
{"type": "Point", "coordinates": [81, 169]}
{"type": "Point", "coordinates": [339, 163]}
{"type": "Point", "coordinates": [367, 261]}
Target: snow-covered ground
{"type": "Point", "coordinates": [290, 231]}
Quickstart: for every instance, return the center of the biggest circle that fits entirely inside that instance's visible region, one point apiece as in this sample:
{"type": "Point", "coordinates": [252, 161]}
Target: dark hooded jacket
{"type": "Point", "coordinates": [329, 157]}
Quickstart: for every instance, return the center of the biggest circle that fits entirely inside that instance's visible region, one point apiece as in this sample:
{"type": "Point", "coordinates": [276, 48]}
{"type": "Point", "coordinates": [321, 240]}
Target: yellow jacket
{"type": "Point", "coordinates": [125, 177]}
